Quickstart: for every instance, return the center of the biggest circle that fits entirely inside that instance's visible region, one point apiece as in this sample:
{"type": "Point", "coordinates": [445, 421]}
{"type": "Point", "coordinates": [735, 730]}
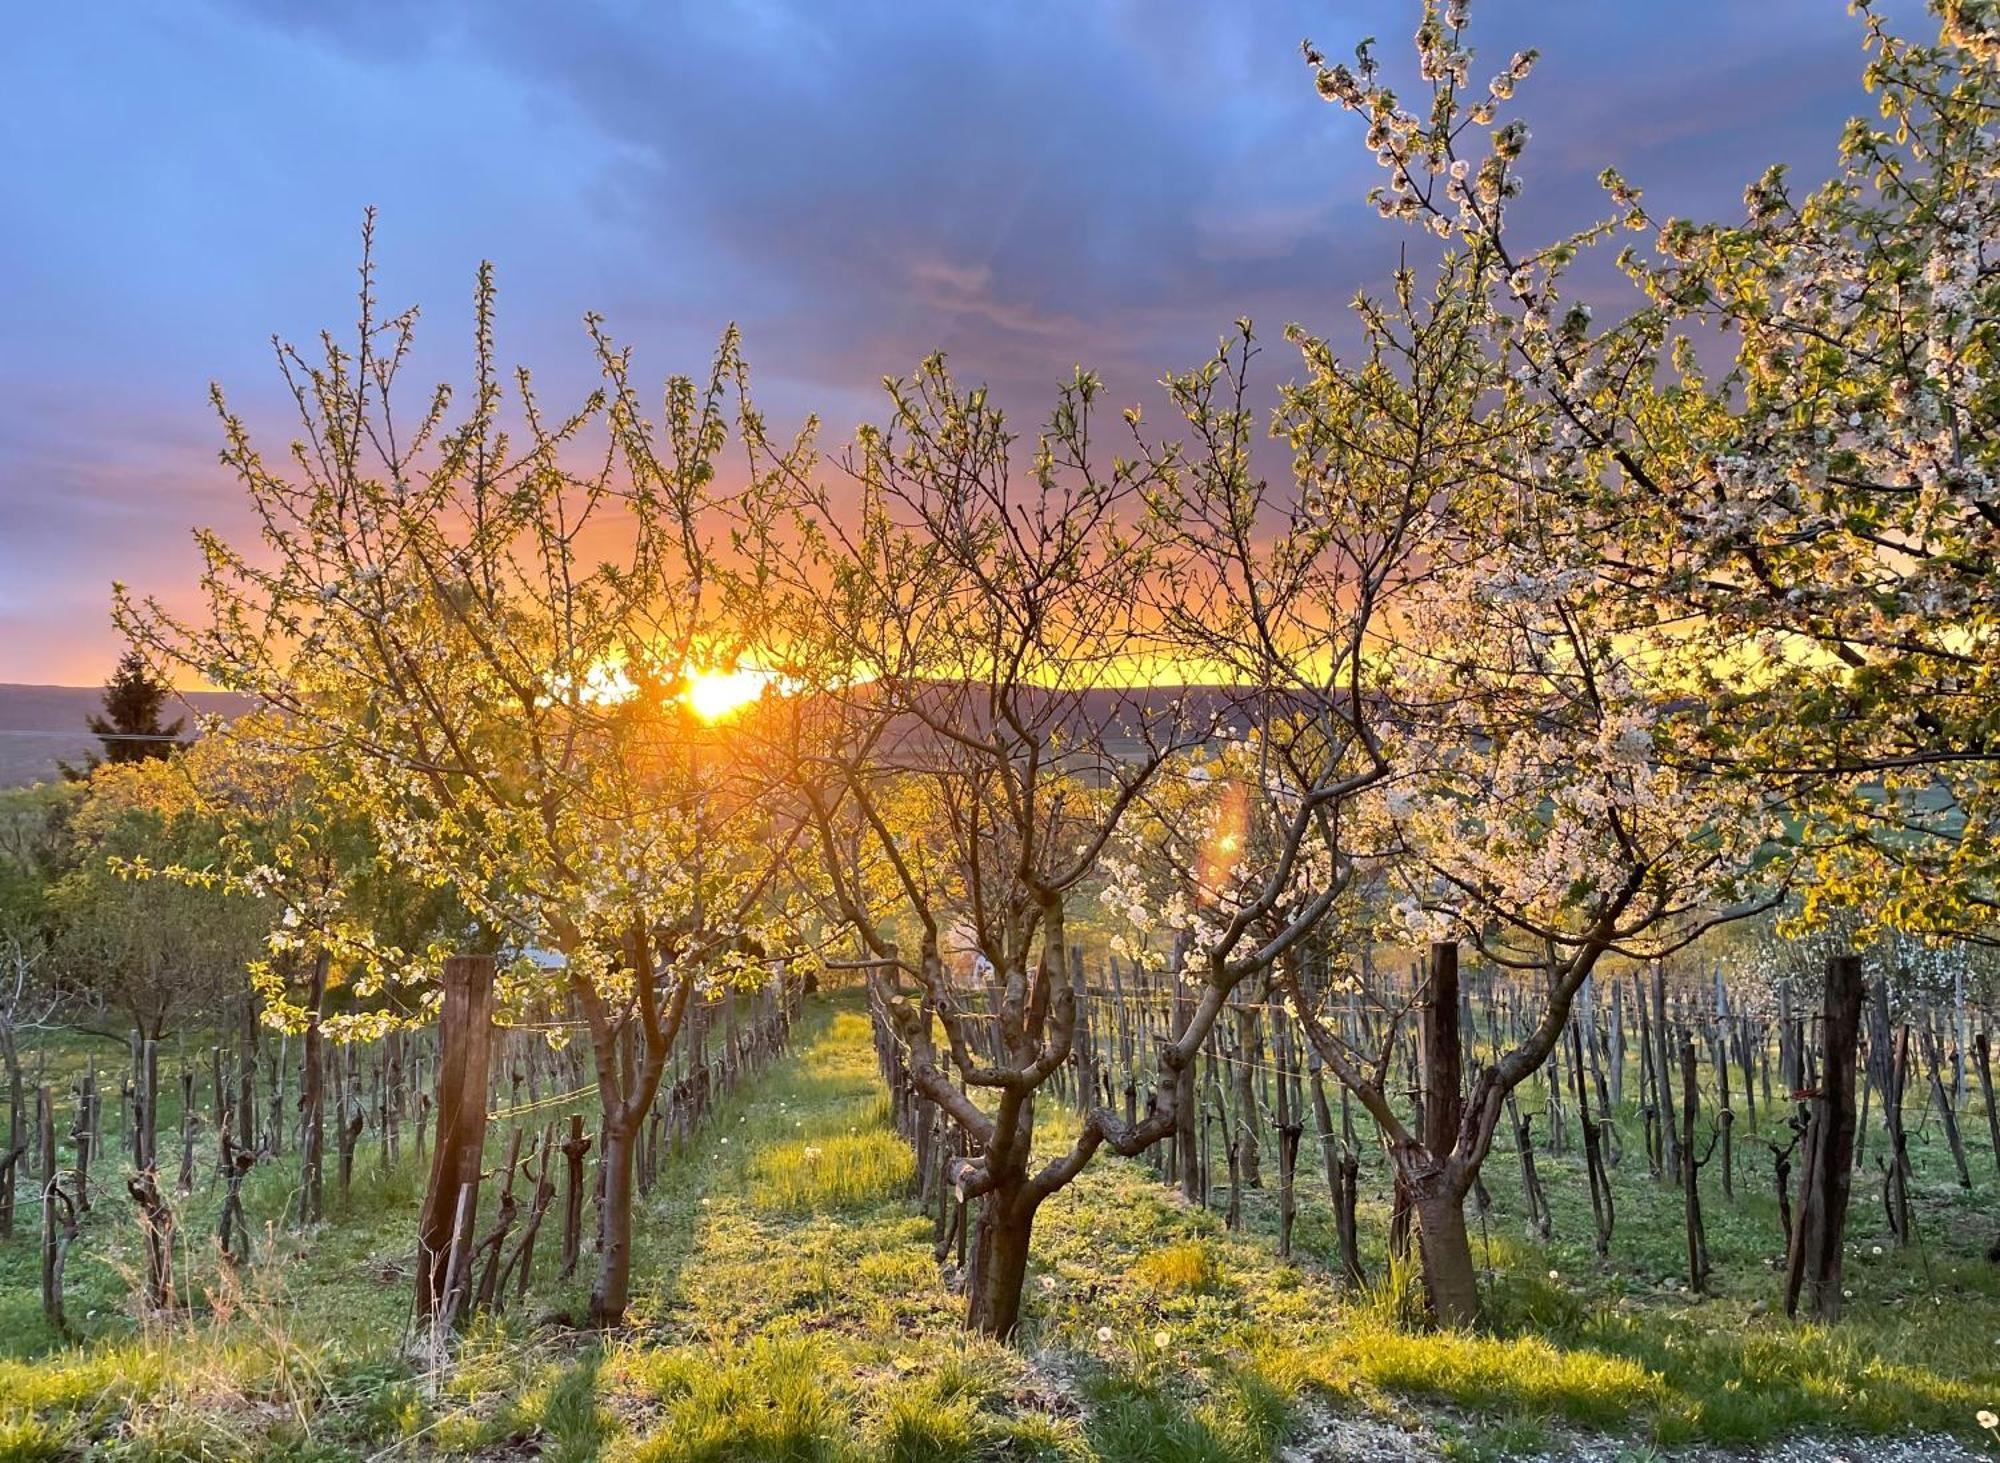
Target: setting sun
{"type": "Point", "coordinates": [713, 695]}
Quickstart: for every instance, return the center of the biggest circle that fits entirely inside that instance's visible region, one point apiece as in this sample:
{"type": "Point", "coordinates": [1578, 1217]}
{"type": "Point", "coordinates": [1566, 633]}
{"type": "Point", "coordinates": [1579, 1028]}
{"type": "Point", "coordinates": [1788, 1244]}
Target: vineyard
{"type": "Point", "coordinates": [1436, 897]}
{"type": "Point", "coordinates": [799, 1242]}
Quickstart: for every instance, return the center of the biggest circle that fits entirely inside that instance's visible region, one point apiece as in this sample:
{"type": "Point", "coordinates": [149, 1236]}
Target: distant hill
{"type": "Point", "coordinates": [41, 726]}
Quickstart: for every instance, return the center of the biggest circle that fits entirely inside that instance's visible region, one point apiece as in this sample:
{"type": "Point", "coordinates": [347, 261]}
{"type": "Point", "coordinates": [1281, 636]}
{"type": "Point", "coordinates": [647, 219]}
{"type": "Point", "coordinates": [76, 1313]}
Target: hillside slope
{"type": "Point", "coordinates": [42, 726]}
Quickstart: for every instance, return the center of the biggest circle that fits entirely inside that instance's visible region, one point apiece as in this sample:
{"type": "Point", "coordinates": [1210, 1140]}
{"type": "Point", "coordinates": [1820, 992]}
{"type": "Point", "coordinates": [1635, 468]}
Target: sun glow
{"type": "Point", "coordinates": [715, 695]}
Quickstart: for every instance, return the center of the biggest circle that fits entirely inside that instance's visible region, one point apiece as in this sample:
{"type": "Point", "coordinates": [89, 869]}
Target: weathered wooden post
{"type": "Point", "coordinates": [245, 1114]}
{"type": "Point", "coordinates": [146, 1107]}
{"type": "Point", "coordinates": [1187, 1138]}
{"type": "Point", "coordinates": [1663, 1082]}
{"type": "Point", "coordinates": [1813, 1264]}
{"type": "Point", "coordinates": [573, 1150]}
{"type": "Point", "coordinates": [1602, 1213]}
{"type": "Point", "coordinates": [187, 1130]}
{"type": "Point", "coordinates": [45, 1150]}
{"type": "Point", "coordinates": [80, 1134]}
{"type": "Point", "coordinates": [444, 1226]}
{"type": "Point", "coordinates": [1984, 1052]}
{"type": "Point", "coordinates": [1697, 1231]}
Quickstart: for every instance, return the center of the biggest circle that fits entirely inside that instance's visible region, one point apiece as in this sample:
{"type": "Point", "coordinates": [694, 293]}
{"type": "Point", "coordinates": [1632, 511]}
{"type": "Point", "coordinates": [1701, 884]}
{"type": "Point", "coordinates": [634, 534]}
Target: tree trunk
{"type": "Point", "coordinates": [466, 1035]}
{"type": "Point", "coordinates": [612, 1287]}
{"type": "Point", "coordinates": [1813, 1265]}
{"type": "Point", "coordinates": [1451, 1283]}
{"type": "Point", "coordinates": [1438, 1041]}
{"type": "Point", "coordinates": [999, 1263]}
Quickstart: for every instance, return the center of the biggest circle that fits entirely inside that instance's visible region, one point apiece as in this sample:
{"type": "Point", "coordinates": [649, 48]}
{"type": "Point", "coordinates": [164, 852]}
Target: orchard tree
{"type": "Point", "coordinates": [153, 952]}
{"type": "Point", "coordinates": [35, 850]}
{"type": "Point", "coordinates": [1544, 820]}
{"type": "Point", "coordinates": [334, 915]}
{"type": "Point", "coordinates": [483, 631]}
{"type": "Point", "coordinates": [1806, 542]}
{"type": "Point", "coordinates": [1290, 590]}
{"type": "Point", "coordinates": [963, 625]}
{"type": "Point", "coordinates": [1463, 681]}
{"type": "Point", "coordinates": [1820, 521]}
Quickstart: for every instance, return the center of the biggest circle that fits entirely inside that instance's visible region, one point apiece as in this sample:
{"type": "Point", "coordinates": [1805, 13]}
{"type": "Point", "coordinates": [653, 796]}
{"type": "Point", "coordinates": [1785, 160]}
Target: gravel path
{"type": "Point", "coordinates": [1335, 1438]}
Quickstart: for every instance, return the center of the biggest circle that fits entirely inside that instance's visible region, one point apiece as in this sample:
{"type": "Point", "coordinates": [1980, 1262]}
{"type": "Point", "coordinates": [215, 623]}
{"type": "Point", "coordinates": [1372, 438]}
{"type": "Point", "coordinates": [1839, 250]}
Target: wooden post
{"type": "Point", "coordinates": [148, 1105]}
{"type": "Point", "coordinates": [444, 1226]}
{"type": "Point", "coordinates": [1984, 1052]}
{"type": "Point", "coordinates": [573, 1150]}
{"type": "Point", "coordinates": [1813, 1264]}
{"type": "Point", "coordinates": [1187, 1148]}
{"type": "Point", "coordinates": [80, 1134]}
{"type": "Point", "coordinates": [45, 1148]}
{"type": "Point", "coordinates": [1663, 1083]}
{"type": "Point", "coordinates": [1438, 1040]}
{"type": "Point", "coordinates": [187, 1130]}
{"type": "Point", "coordinates": [1697, 1232]}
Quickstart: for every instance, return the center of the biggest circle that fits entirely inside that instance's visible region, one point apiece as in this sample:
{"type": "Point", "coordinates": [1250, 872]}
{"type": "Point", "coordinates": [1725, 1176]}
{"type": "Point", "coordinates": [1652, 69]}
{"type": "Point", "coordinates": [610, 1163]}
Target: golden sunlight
{"type": "Point", "coordinates": [715, 695]}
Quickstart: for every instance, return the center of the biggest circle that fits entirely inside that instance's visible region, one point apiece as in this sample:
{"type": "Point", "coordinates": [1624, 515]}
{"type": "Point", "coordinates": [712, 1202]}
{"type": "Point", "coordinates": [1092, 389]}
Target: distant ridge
{"type": "Point", "coordinates": [42, 726]}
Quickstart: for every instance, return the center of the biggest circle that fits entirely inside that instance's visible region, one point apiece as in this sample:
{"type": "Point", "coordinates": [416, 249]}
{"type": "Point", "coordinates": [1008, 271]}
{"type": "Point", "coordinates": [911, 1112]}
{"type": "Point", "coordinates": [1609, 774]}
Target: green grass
{"type": "Point", "coordinates": [787, 1306]}
{"type": "Point", "coordinates": [1187, 1267]}
{"type": "Point", "coordinates": [840, 1172]}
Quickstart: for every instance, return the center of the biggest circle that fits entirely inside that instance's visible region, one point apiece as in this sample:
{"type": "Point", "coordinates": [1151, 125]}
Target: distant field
{"type": "Point", "coordinates": [43, 726]}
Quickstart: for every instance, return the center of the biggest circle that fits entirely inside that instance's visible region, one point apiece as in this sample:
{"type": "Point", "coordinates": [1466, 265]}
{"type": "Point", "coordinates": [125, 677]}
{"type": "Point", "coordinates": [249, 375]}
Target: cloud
{"type": "Point", "coordinates": [1027, 186]}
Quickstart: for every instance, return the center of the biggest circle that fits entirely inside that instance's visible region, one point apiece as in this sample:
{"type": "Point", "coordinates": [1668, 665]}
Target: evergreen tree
{"type": "Point", "coordinates": [130, 727]}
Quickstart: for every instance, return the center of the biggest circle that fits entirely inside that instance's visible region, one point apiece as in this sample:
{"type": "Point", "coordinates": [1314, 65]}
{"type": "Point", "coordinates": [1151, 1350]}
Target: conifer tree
{"type": "Point", "coordinates": [129, 728]}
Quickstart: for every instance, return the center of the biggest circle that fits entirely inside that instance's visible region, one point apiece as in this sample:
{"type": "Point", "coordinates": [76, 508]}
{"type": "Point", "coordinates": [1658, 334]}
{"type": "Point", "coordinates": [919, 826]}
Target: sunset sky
{"type": "Point", "coordinates": [1026, 185]}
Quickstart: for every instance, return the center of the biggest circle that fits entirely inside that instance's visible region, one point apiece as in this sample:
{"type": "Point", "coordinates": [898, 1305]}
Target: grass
{"type": "Point", "coordinates": [787, 1306]}
{"type": "Point", "coordinates": [1189, 1267]}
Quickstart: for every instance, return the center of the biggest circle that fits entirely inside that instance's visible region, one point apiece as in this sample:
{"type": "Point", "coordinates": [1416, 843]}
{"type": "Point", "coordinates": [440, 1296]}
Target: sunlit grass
{"type": "Point", "coordinates": [836, 1172]}
{"type": "Point", "coordinates": [764, 1399]}
{"type": "Point", "coordinates": [1188, 1267]}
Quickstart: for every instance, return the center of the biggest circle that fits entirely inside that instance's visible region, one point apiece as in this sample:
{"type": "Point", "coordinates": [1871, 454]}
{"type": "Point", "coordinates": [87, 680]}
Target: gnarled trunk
{"type": "Point", "coordinates": [999, 1269]}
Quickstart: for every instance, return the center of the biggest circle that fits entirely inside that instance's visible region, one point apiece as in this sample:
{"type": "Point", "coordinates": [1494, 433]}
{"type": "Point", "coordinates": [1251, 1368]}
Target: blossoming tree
{"type": "Point", "coordinates": [480, 631]}
{"type": "Point", "coordinates": [971, 627]}
{"type": "Point", "coordinates": [1818, 522]}
{"type": "Point", "coordinates": [1805, 542]}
